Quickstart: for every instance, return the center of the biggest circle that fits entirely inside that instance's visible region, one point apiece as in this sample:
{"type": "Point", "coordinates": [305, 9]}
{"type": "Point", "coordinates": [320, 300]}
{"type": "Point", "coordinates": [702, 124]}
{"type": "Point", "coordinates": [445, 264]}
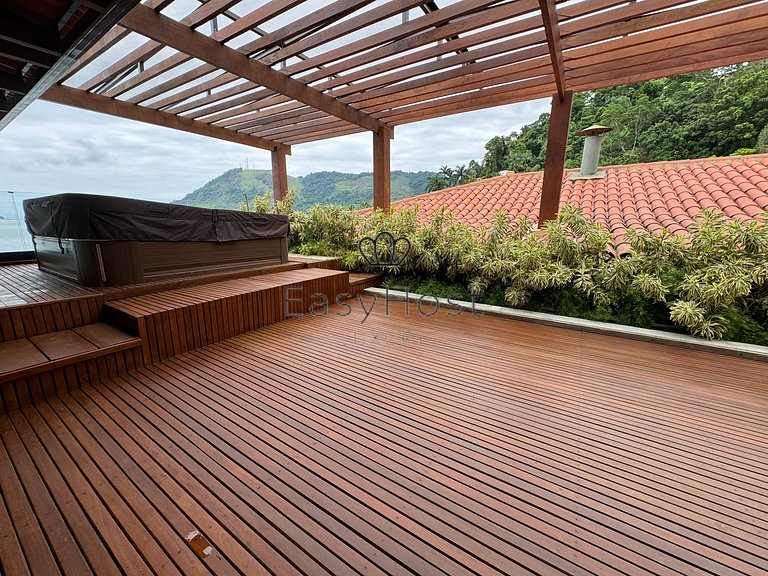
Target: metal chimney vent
{"type": "Point", "coordinates": [591, 156]}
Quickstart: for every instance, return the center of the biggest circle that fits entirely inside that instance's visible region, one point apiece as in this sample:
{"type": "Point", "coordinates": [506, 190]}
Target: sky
{"type": "Point", "coordinates": [51, 148]}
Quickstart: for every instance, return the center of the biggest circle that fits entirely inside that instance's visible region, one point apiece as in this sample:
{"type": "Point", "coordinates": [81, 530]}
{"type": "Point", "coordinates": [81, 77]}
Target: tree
{"type": "Point", "coordinates": [519, 158]}
{"type": "Point", "coordinates": [459, 175]}
{"type": "Point", "coordinates": [761, 146]}
{"type": "Point", "coordinates": [710, 113]}
{"type": "Point", "coordinates": [436, 182]}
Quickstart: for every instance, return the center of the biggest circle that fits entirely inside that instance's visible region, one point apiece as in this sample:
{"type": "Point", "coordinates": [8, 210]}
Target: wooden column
{"type": "Point", "coordinates": [381, 172]}
{"type": "Point", "coordinates": [557, 142]}
{"type": "Point", "coordinates": [279, 174]}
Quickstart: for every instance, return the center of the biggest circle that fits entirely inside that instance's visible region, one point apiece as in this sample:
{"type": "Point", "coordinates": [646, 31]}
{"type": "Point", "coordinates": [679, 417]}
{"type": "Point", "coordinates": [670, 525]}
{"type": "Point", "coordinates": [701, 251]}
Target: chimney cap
{"type": "Point", "coordinates": [594, 130]}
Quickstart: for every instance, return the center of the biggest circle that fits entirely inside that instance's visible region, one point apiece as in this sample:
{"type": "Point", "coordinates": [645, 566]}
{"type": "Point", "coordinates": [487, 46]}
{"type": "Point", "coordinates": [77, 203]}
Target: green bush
{"type": "Point", "coordinates": [711, 283]}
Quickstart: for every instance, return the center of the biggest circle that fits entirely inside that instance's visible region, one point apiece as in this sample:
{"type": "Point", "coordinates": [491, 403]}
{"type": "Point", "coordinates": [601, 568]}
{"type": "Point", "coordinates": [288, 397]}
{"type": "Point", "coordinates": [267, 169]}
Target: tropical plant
{"type": "Point", "coordinates": [712, 282]}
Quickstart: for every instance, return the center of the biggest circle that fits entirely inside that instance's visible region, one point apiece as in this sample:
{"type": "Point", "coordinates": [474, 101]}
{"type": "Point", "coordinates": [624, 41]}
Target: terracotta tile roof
{"type": "Point", "coordinates": [640, 196]}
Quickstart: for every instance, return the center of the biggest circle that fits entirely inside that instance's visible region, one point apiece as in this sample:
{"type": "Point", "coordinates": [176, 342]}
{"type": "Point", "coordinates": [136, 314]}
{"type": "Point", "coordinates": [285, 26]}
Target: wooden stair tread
{"type": "Point", "coordinates": [360, 278]}
{"type": "Point", "coordinates": [61, 344]}
{"type": "Point", "coordinates": [147, 304]}
{"type": "Point", "coordinates": [19, 354]}
{"type": "Point", "coordinates": [328, 262]}
{"type": "Point", "coordinates": [25, 357]}
{"type": "Point", "coordinates": [175, 322]}
{"type": "Point", "coordinates": [102, 335]}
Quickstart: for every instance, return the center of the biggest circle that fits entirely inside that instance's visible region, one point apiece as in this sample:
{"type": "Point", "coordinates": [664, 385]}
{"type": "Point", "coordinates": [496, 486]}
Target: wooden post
{"type": "Point", "coordinates": [557, 142]}
{"type": "Point", "coordinates": [381, 172]}
{"type": "Point", "coordinates": [279, 174]}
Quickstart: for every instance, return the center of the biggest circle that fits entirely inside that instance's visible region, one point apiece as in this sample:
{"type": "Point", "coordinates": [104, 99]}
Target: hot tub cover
{"type": "Point", "coordinates": [94, 217]}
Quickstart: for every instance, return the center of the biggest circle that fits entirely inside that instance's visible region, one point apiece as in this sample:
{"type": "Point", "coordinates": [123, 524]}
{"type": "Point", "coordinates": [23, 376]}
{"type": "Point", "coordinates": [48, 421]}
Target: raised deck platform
{"type": "Point", "coordinates": [36, 302]}
{"type": "Point", "coordinates": [176, 321]}
{"type": "Point", "coordinates": [46, 343]}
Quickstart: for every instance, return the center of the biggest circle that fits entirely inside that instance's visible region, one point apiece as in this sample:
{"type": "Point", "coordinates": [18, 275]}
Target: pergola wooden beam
{"type": "Point", "coordinates": [676, 54]}
{"type": "Point", "coordinates": [455, 64]}
{"type": "Point", "coordinates": [237, 106]}
{"type": "Point", "coordinates": [356, 81]}
{"type": "Point", "coordinates": [157, 27]}
{"type": "Point", "coordinates": [706, 25]}
{"type": "Point", "coordinates": [104, 105]}
{"type": "Point", "coordinates": [552, 31]}
{"type": "Point", "coordinates": [240, 25]}
{"type": "Point", "coordinates": [319, 18]}
{"type": "Point", "coordinates": [348, 26]}
{"type": "Point", "coordinates": [434, 27]}
{"type": "Point", "coordinates": [108, 40]}
{"type": "Point", "coordinates": [460, 102]}
{"type": "Point", "coordinates": [279, 173]}
{"type": "Point", "coordinates": [381, 169]}
{"type": "Point", "coordinates": [735, 55]}
{"type": "Point", "coordinates": [97, 49]}
{"type": "Point", "coordinates": [130, 60]}
{"type": "Point", "coordinates": [557, 144]}
{"type": "Point", "coordinates": [575, 34]}
{"type": "Point", "coordinates": [199, 16]}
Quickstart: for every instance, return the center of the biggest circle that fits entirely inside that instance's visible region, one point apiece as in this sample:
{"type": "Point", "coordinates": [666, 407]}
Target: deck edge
{"type": "Point", "coordinates": [725, 347]}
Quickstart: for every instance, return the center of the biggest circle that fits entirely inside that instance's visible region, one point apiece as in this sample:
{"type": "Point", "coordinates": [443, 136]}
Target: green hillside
{"type": "Point", "coordinates": [232, 188]}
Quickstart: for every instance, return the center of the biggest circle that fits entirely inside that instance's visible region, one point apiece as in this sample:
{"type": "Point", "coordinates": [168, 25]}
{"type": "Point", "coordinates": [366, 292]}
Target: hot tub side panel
{"type": "Point", "coordinates": [116, 263]}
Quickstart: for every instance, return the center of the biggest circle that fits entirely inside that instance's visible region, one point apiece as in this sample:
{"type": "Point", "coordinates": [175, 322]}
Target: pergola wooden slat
{"type": "Point", "coordinates": [348, 66]}
{"type": "Point", "coordinates": [97, 103]}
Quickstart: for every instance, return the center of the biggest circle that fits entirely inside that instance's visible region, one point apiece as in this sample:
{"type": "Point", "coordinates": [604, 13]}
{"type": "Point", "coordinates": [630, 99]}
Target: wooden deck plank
{"type": "Point", "coordinates": [408, 445]}
{"type": "Point", "coordinates": [164, 551]}
{"type": "Point", "coordinates": [12, 559]}
{"type": "Point", "coordinates": [328, 393]}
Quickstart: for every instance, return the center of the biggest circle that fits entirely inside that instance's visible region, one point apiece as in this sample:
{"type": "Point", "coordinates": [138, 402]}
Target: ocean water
{"type": "Point", "coordinates": [14, 236]}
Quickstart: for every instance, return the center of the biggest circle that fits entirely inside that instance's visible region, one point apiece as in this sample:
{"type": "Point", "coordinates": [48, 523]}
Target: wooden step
{"type": "Point", "coordinates": [359, 282]}
{"type": "Point", "coordinates": [178, 321]}
{"type": "Point", "coordinates": [42, 364]}
{"type": "Point", "coordinates": [43, 317]}
{"type": "Point", "coordinates": [326, 262]}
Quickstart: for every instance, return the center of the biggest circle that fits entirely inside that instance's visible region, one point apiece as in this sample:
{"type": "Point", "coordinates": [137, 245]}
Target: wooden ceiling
{"type": "Point", "coordinates": [40, 39]}
{"type": "Point", "coordinates": [273, 73]}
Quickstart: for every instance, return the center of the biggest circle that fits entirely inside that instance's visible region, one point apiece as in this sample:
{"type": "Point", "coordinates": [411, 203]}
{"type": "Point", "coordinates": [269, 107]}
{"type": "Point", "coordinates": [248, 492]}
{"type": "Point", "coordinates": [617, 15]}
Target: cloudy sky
{"type": "Point", "coordinates": [51, 148]}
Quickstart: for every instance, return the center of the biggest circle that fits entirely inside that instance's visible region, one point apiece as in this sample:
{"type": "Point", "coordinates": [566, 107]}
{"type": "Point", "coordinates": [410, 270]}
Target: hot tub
{"type": "Point", "coordinates": [107, 241]}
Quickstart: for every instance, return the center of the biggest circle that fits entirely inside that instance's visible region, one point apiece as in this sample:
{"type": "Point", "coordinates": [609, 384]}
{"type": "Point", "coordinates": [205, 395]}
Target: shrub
{"type": "Point", "coordinates": [712, 282]}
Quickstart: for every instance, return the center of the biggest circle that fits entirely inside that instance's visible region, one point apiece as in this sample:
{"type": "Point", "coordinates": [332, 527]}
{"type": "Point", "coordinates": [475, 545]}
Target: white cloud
{"type": "Point", "coordinates": [51, 149]}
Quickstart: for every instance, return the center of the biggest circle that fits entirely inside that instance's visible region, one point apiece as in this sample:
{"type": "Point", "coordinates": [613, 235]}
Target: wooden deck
{"type": "Point", "coordinates": [419, 445]}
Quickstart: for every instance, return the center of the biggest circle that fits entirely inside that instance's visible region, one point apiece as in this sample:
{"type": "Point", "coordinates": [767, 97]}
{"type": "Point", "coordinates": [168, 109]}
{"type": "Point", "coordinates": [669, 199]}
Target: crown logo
{"type": "Point", "coordinates": [381, 251]}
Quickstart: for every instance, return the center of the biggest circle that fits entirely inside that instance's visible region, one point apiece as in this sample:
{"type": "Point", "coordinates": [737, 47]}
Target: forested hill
{"type": "Point", "coordinates": [231, 189]}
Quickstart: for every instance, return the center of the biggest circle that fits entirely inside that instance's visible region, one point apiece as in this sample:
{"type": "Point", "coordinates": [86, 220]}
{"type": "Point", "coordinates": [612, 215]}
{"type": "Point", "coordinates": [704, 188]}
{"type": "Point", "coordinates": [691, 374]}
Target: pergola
{"type": "Point", "coordinates": [276, 73]}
